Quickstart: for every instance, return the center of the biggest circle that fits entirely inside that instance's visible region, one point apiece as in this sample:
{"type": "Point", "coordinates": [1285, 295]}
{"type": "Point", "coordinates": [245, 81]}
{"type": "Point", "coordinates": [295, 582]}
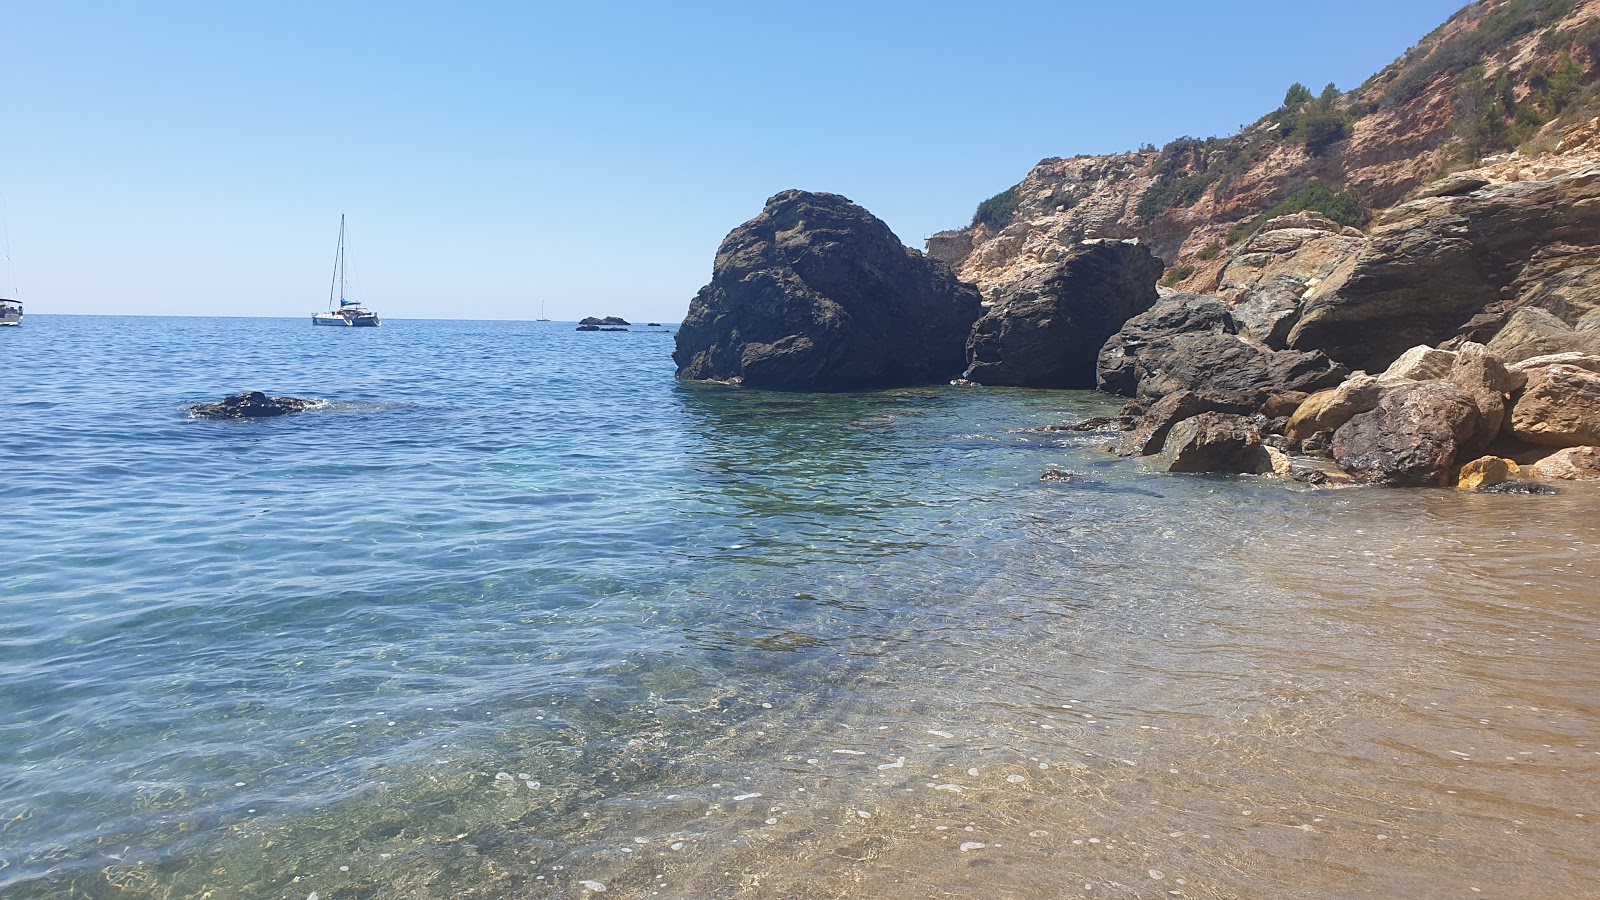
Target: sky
{"type": "Point", "coordinates": [496, 159]}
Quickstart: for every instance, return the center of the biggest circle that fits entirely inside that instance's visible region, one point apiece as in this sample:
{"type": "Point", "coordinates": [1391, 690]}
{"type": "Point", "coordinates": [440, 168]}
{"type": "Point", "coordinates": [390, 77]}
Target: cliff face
{"type": "Point", "coordinates": [1505, 90]}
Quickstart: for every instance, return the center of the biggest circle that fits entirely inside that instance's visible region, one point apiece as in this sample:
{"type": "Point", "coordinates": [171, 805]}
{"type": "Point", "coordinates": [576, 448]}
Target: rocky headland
{"type": "Point", "coordinates": [1438, 226]}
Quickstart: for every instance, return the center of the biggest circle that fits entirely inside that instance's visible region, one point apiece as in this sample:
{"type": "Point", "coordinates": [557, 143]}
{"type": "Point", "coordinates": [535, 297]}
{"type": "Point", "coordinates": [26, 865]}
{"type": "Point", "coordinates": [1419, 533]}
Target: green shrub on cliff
{"type": "Point", "coordinates": [1341, 206]}
{"type": "Point", "coordinates": [998, 211]}
{"type": "Point", "coordinates": [1318, 123]}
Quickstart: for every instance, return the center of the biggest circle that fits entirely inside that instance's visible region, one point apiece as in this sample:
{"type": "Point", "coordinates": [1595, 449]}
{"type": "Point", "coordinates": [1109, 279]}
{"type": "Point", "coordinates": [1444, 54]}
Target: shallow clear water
{"type": "Point", "coordinates": [518, 616]}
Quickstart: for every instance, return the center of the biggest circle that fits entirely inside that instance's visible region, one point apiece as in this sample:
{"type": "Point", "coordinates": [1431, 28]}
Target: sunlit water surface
{"type": "Point", "coordinates": [518, 616]}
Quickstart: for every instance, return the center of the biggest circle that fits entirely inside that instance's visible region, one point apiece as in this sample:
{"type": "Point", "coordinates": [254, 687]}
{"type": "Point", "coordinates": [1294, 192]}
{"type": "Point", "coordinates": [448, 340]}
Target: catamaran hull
{"type": "Point", "coordinates": [344, 322]}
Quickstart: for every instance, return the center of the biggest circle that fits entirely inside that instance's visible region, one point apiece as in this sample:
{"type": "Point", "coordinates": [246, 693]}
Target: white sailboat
{"type": "Point", "coordinates": [541, 313]}
{"type": "Point", "coordinates": [342, 312]}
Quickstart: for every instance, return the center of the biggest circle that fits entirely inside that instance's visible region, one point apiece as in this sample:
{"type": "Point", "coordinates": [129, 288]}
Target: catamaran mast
{"type": "Point", "coordinates": [338, 266]}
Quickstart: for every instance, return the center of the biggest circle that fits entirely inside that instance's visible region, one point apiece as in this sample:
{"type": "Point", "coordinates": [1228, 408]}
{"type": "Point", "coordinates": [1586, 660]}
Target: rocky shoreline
{"type": "Point", "coordinates": [1393, 243]}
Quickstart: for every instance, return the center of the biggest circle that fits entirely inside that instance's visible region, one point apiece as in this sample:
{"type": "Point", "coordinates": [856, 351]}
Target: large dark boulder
{"type": "Point", "coordinates": [1191, 342]}
{"type": "Point", "coordinates": [1435, 264]}
{"type": "Point", "coordinates": [1046, 330]}
{"type": "Point", "coordinates": [608, 320]}
{"type": "Point", "coordinates": [817, 294]}
{"type": "Point", "coordinates": [1411, 438]}
{"type": "Point", "coordinates": [251, 405]}
{"type": "Point", "coordinates": [1149, 433]}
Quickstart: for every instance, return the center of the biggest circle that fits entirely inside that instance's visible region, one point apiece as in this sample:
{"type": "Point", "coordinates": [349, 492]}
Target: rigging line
{"type": "Point", "coordinates": [5, 246]}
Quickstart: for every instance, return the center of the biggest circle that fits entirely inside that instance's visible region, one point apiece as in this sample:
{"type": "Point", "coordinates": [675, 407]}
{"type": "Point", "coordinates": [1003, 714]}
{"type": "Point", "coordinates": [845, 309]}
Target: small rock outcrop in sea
{"type": "Point", "coordinates": [1047, 330]}
{"type": "Point", "coordinates": [817, 294]}
{"type": "Point", "coordinates": [1191, 342]}
{"type": "Point", "coordinates": [251, 405]}
{"type": "Point", "coordinates": [608, 320]}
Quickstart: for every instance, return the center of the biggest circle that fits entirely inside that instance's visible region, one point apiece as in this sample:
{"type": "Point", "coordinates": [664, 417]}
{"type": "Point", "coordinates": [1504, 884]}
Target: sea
{"type": "Point", "coordinates": [514, 614]}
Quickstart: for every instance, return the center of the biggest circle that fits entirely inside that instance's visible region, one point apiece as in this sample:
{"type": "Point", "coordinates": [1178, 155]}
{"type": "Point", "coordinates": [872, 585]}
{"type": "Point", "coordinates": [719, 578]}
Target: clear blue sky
{"type": "Point", "coordinates": [193, 158]}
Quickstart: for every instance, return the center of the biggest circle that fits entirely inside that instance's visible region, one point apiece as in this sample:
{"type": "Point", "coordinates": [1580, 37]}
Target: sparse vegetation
{"type": "Point", "coordinates": [1470, 46]}
{"type": "Point", "coordinates": [998, 211]}
{"type": "Point", "coordinates": [1318, 123]}
{"type": "Point", "coordinates": [1341, 206]}
{"type": "Point", "coordinates": [1177, 274]}
{"type": "Point", "coordinates": [1494, 115]}
{"type": "Point", "coordinates": [1209, 252]}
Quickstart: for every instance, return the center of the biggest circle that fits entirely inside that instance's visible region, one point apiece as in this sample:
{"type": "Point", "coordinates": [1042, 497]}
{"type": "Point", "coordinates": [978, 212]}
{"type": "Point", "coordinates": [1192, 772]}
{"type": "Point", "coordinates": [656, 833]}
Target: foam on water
{"type": "Point", "coordinates": [518, 612]}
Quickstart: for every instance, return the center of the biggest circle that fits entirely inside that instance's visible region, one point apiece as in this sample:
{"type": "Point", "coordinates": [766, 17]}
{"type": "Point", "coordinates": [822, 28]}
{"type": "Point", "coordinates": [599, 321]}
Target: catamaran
{"type": "Point", "coordinates": [342, 312]}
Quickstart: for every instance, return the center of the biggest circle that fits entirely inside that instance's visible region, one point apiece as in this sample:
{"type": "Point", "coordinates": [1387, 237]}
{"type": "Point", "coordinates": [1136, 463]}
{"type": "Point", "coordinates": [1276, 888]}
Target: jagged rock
{"type": "Point", "coordinates": [1326, 410]}
{"type": "Point", "coordinates": [1559, 407]}
{"type": "Point", "coordinates": [1149, 433]}
{"type": "Point", "coordinates": [1570, 464]}
{"type": "Point", "coordinates": [1282, 464]}
{"type": "Point", "coordinates": [1453, 186]}
{"type": "Point", "coordinates": [1487, 381]}
{"type": "Point", "coordinates": [608, 320]}
{"type": "Point", "coordinates": [1189, 342]}
{"type": "Point", "coordinates": [1434, 263]}
{"type": "Point", "coordinates": [1215, 442]}
{"type": "Point", "coordinates": [1485, 471]}
{"type": "Point", "coordinates": [1411, 438]}
{"type": "Point", "coordinates": [816, 293]}
{"type": "Point", "coordinates": [251, 405]}
{"type": "Point", "coordinates": [1047, 330]}
{"type": "Point", "coordinates": [1267, 312]}
{"type": "Point", "coordinates": [1421, 363]}
{"type": "Point", "coordinates": [1531, 332]}
{"type": "Point", "coordinates": [1586, 361]}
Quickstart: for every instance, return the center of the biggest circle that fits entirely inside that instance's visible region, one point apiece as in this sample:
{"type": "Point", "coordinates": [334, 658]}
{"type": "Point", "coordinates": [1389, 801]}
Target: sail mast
{"type": "Point", "coordinates": [338, 264]}
{"type": "Point", "coordinates": [341, 260]}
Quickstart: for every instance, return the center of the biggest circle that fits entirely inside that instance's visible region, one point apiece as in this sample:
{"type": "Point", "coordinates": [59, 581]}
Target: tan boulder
{"type": "Point", "coordinates": [1486, 471]}
{"type": "Point", "coordinates": [1327, 410]}
{"type": "Point", "coordinates": [1531, 331]}
{"type": "Point", "coordinates": [1560, 407]}
{"type": "Point", "coordinates": [1421, 363]}
{"type": "Point", "coordinates": [1281, 464]}
{"type": "Point", "coordinates": [1485, 378]}
{"type": "Point", "coordinates": [1570, 464]}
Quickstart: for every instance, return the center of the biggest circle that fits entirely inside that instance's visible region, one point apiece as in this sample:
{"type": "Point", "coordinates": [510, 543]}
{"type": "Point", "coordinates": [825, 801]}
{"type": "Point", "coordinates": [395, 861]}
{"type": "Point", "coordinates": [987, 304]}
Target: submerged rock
{"type": "Point", "coordinates": [817, 294]}
{"type": "Point", "coordinates": [1047, 330]}
{"type": "Point", "coordinates": [251, 405]}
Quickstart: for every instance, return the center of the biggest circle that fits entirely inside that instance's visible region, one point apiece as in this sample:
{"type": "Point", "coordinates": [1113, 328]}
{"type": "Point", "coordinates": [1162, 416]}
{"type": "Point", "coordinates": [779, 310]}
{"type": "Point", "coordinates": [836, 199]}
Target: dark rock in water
{"type": "Point", "coordinates": [251, 405]}
{"type": "Point", "coordinates": [608, 320]}
{"type": "Point", "coordinates": [1057, 477]}
{"type": "Point", "coordinates": [1149, 433]}
{"type": "Point", "coordinates": [1411, 438]}
{"type": "Point", "coordinates": [816, 294]}
{"type": "Point", "coordinates": [652, 324]}
{"type": "Point", "coordinates": [588, 328]}
{"type": "Point", "coordinates": [1097, 423]}
{"type": "Point", "coordinates": [1047, 330]}
{"type": "Point", "coordinates": [1191, 342]}
{"type": "Point", "coordinates": [1215, 442]}
{"type": "Point", "coordinates": [1517, 487]}
{"type": "Point", "coordinates": [604, 328]}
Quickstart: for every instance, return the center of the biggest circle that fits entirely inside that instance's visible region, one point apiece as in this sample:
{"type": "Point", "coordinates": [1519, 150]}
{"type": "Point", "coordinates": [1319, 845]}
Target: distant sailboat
{"type": "Point", "coordinates": [541, 313]}
{"type": "Point", "coordinates": [341, 312]}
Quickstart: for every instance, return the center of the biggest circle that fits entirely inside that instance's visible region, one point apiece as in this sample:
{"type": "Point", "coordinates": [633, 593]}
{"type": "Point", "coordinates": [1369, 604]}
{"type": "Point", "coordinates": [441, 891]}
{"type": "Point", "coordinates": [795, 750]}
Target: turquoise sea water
{"type": "Point", "coordinates": [516, 615]}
